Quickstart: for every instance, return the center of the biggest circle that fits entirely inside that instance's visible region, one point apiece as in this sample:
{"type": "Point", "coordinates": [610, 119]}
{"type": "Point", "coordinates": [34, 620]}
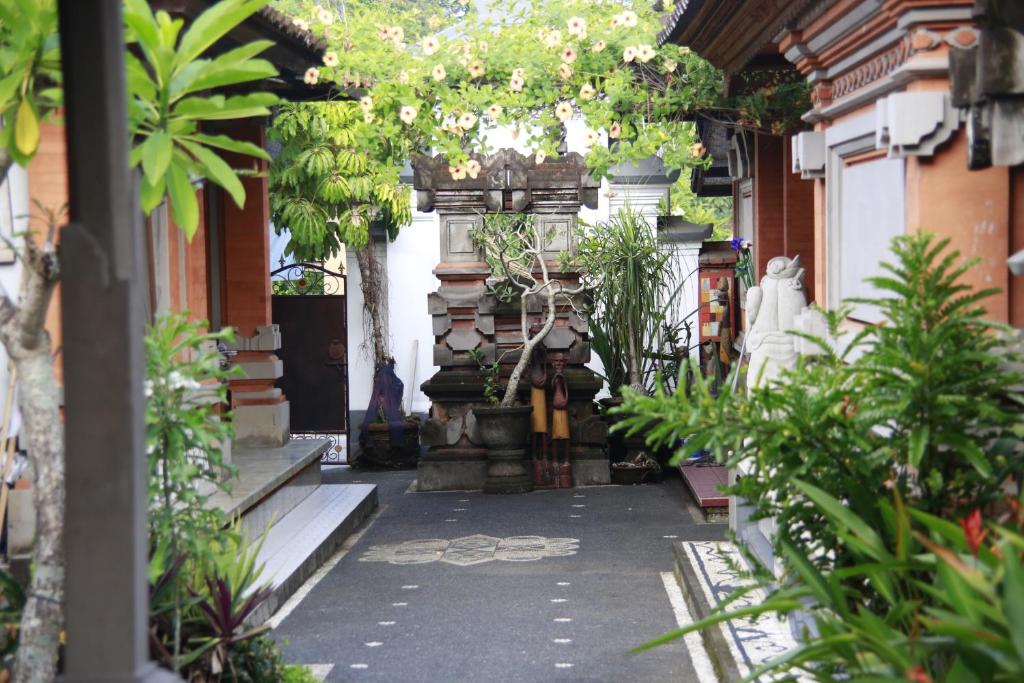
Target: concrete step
{"type": "Point", "coordinates": [705, 573]}
{"type": "Point", "coordinates": [303, 539]}
{"type": "Point", "coordinates": [271, 482]}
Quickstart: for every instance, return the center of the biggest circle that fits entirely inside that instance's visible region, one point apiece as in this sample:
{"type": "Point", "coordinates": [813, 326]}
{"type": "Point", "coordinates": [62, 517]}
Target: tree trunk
{"type": "Point", "coordinates": [528, 344]}
{"type": "Point", "coordinates": [374, 288]}
{"type": "Point", "coordinates": [42, 435]}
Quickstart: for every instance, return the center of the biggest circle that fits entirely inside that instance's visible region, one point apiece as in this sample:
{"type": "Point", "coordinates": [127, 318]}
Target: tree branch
{"type": "Point", "coordinates": [41, 280]}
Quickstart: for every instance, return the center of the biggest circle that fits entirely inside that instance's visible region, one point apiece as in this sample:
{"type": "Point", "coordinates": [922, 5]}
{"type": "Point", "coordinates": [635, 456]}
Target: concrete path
{"type": "Point", "coordinates": [454, 587]}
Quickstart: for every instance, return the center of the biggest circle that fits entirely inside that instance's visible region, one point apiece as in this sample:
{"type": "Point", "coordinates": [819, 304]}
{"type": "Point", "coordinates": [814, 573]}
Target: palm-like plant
{"type": "Point", "coordinates": [629, 305]}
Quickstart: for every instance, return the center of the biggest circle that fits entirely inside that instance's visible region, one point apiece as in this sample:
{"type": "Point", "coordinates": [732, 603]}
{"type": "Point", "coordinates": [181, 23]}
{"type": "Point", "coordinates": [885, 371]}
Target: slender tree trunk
{"type": "Point", "coordinates": [529, 344]}
{"type": "Point", "coordinates": [374, 290]}
{"type": "Point", "coordinates": [42, 434]}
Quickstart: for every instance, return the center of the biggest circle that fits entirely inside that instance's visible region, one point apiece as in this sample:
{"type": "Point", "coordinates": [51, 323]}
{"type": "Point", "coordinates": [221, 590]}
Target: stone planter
{"type": "Point", "coordinates": [504, 432]}
{"type": "Point", "coordinates": [378, 451]}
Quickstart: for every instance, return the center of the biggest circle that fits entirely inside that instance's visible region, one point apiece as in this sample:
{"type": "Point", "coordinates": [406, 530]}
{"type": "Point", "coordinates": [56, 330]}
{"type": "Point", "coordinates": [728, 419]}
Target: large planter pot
{"type": "Point", "coordinates": [625, 474]}
{"type": "Point", "coordinates": [378, 451]}
{"type": "Point", "coordinates": [504, 432]}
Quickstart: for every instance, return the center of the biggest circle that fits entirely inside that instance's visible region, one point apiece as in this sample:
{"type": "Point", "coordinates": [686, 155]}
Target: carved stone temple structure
{"type": "Point", "coordinates": [467, 317]}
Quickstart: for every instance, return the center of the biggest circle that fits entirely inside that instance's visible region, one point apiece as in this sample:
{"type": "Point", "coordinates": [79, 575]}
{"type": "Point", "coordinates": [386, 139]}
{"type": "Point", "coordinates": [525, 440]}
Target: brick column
{"type": "Point", "coordinates": [261, 411]}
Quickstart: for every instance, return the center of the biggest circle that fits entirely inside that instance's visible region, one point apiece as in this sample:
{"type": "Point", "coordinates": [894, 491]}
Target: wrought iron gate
{"type": "Point", "coordinates": [310, 306]}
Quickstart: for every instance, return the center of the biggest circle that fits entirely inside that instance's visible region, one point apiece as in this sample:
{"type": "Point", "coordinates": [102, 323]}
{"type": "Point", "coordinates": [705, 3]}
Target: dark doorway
{"type": "Point", "coordinates": [309, 305]}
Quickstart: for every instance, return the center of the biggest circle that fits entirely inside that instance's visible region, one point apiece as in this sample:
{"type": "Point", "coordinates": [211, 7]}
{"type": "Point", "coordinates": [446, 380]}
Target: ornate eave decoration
{"type": "Point", "coordinates": [507, 181]}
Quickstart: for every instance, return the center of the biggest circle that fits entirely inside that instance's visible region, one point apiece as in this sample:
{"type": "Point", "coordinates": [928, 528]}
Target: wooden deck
{"type": "Point", "coordinates": [705, 483]}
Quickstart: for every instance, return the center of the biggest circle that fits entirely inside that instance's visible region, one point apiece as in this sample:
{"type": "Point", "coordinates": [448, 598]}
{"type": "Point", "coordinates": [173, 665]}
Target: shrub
{"type": "Point", "coordinates": [861, 455]}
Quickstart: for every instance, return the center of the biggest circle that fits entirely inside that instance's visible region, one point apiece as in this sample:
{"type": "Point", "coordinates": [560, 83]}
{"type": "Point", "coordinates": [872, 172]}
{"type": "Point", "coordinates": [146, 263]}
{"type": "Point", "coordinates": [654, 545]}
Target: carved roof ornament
{"type": "Point", "coordinates": [507, 181]}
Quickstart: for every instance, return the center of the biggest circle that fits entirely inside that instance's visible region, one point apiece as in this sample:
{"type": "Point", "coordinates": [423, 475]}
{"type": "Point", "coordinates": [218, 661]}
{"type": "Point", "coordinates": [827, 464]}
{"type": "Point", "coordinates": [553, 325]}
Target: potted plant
{"type": "Point", "coordinates": [514, 249]}
{"type": "Point", "coordinates": [640, 468]}
{"type": "Point", "coordinates": [631, 280]}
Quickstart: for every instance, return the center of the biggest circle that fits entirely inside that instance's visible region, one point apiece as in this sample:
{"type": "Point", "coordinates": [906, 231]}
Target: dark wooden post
{"type": "Point", "coordinates": [101, 304]}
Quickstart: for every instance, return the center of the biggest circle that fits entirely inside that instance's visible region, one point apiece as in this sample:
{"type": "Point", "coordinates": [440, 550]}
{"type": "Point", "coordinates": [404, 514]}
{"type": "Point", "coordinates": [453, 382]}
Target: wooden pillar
{"type": "Point", "coordinates": [769, 232]}
{"type": "Point", "coordinates": [107, 606]}
{"type": "Point", "coordinates": [798, 217]}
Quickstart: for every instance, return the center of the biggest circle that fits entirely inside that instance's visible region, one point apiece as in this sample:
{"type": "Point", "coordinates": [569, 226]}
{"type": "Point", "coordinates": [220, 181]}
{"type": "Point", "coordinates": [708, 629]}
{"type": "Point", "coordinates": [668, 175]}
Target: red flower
{"type": "Point", "coordinates": [974, 533]}
{"type": "Point", "coordinates": [918, 675]}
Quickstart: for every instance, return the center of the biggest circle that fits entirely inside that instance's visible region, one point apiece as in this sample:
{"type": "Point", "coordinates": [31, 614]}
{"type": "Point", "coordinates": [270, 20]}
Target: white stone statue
{"type": "Point", "coordinates": [772, 310]}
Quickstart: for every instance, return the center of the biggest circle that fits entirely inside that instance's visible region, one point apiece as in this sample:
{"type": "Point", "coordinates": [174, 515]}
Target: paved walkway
{"type": "Point", "coordinates": [454, 587]}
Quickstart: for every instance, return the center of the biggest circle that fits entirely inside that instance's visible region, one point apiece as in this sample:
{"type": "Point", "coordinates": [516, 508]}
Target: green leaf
{"type": "Point", "coordinates": [156, 155]}
{"type": "Point", "coordinates": [213, 24]}
{"type": "Point", "coordinates": [26, 129]}
{"type": "Point", "coordinates": [1013, 598]}
{"type": "Point", "coordinates": [9, 88]}
{"type": "Point", "coordinates": [150, 196]}
{"type": "Point", "coordinates": [840, 513]}
{"type": "Point", "coordinates": [218, 170]}
{"type": "Point", "coordinates": [217, 107]}
{"type": "Point", "coordinates": [230, 144]}
{"type": "Point", "coordinates": [918, 444]}
{"type": "Point", "coordinates": [184, 205]}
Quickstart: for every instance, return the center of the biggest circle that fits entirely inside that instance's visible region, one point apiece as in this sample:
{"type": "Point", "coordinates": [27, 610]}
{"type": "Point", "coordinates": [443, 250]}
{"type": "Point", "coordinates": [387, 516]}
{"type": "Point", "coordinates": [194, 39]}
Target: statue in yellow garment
{"type": "Point", "coordinates": [539, 417]}
{"type": "Point", "coordinates": [560, 422]}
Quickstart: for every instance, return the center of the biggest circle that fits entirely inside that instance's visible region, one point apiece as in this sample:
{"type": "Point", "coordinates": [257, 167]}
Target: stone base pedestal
{"type": "Point", "coordinates": [262, 424]}
{"type": "Point", "coordinates": [452, 469]}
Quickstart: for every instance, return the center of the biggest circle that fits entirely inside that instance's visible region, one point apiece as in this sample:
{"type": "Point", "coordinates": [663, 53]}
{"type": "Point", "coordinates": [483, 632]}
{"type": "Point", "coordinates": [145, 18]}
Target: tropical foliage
{"type": "Point", "coordinates": [908, 423]}
{"type": "Point", "coordinates": [170, 96]}
{"type": "Point", "coordinates": [631, 283]}
{"type": "Point", "coordinates": [333, 176]}
{"type": "Point", "coordinates": [443, 81]}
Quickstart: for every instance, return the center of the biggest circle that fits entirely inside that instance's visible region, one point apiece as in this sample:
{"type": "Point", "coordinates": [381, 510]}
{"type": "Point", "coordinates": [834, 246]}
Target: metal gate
{"type": "Point", "coordinates": [310, 306]}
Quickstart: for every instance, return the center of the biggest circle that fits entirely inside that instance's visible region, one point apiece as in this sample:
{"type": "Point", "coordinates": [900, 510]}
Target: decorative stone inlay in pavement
{"type": "Point", "coordinates": [752, 643]}
{"type": "Point", "coordinates": [470, 550]}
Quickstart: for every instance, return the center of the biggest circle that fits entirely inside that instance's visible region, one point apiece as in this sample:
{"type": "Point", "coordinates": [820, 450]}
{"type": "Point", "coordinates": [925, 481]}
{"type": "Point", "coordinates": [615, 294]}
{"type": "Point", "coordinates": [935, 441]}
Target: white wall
{"type": "Point", "coordinates": [411, 260]}
{"type": "Point", "coordinates": [14, 210]}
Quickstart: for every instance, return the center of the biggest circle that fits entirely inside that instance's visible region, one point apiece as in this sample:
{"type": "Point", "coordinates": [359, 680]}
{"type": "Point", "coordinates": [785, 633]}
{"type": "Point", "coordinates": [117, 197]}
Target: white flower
{"type": "Point", "coordinates": [629, 54]}
{"type": "Point", "coordinates": [591, 137]}
{"type": "Point", "coordinates": [396, 33]}
{"type": "Point", "coordinates": [563, 111]}
{"type": "Point", "coordinates": [366, 103]}
{"type": "Point", "coordinates": [301, 24]}
{"type": "Point", "coordinates": [325, 16]}
{"type": "Point", "coordinates": [438, 72]}
{"type": "Point", "coordinates": [494, 111]}
{"type": "Point", "coordinates": [617, 21]}
{"type": "Point", "coordinates": [407, 114]}
{"type": "Point", "coordinates": [541, 156]}
{"type": "Point", "coordinates": [430, 45]}
{"type": "Point", "coordinates": [519, 73]}
{"type": "Point", "coordinates": [577, 27]}
{"type": "Point", "coordinates": [331, 58]}
{"type": "Point", "coordinates": [629, 18]}
{"type": "Point", "coordinates": [553, 39]}
{"type": "Point", "coordinates": [483, 46]}
{"type": "Point", "coordinates": [565, 72]}
{"type": "Point", "coordinates": [403, 77]}
{"type": "Point", "coordinates": [467, 120]}
{"type": "Point", "coordinates": [516, 84]}
{"type": "Point", "coordinates": [458, 172]}
{"type": "Point", "coordinates": [615, 131]}
{"type": "Point", "coordinates": [684, 50]}
{"type": "Point", "coordinates": [587, 92]}
{"type": "Point", "coordinates": [312, 75]}
{"type": "Point", "coordinates": [476, 70]}
{"type": "Point", "coordinates": [645, 53]}
{"type": "Point", "coordinates": [670, 66]}
{"type": "Point", "coordinates": [568, 55]}
{"type": "Point", "coordinates": [697, 150]}
{"type": "Point", "coordinates": [368, 117]}
{"type": "Point", "coordinates": [473, 168]}
{"type": "Point", "coordinates": [599, 46]}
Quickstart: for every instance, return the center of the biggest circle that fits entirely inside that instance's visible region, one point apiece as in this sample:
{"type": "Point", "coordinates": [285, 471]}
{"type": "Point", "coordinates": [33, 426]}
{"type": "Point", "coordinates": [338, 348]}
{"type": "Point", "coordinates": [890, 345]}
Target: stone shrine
{"type": "Point", "coordinates": [468, 318]}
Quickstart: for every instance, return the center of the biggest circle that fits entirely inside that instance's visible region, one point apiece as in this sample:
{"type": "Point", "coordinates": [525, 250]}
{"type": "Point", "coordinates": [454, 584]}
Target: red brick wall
{"type": "Point", "coordinates": [798, 212]}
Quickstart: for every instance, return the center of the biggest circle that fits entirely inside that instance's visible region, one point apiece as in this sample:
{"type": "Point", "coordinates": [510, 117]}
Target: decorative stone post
{"type": "Point", "coordinates": [467, 317]}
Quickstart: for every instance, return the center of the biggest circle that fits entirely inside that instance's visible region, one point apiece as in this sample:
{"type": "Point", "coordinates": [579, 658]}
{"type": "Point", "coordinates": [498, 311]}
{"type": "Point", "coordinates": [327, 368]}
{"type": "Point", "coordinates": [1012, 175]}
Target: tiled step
{"type": "Point", "coordinates": [271, 482]}
{"type": "Point", "coordinates": [302, 540]}
{"type": "Point", "coordinates": [704, 570]}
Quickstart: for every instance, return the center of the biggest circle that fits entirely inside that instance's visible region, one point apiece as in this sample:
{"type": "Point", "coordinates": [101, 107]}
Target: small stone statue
{"type": "Point", "coordinates": [771, 312]}
{"type": "Point", "coordinates": [560, 422]}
